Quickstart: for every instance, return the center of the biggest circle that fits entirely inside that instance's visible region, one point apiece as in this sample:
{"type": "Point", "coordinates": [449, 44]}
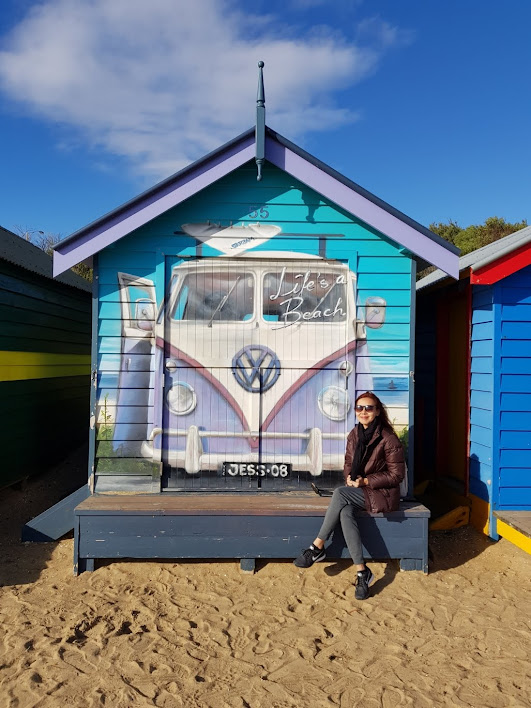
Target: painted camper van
{"type": "Point", "coordinates": [254, 363]}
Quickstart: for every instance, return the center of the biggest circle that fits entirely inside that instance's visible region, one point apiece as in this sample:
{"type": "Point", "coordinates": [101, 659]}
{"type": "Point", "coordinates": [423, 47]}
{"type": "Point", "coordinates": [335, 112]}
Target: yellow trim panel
{"type": "Point", "coordinates": [20, 366]}
{"type": "Point", "coordinates": [516, 537]}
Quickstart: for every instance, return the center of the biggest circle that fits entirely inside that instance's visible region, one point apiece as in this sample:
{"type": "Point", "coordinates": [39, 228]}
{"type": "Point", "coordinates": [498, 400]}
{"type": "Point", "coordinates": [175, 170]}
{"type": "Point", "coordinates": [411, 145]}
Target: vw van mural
{"type": "Point", "coordinates": [249, 372]}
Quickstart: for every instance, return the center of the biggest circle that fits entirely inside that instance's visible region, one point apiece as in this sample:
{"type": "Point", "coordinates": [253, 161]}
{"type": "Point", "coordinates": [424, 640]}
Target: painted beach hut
{"type": "Point", "coordinates": [239, 307]}
{"type": "Point", "coordinates": [44, 359]}
{"type": "Point", "coordinates": [474, 384]}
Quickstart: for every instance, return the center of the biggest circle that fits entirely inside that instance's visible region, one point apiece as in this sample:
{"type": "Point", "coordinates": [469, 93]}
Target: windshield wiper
{"type": "Point", "coordinates": [322, 299]}
{"type": "Point", "coordinates": [223, 301]}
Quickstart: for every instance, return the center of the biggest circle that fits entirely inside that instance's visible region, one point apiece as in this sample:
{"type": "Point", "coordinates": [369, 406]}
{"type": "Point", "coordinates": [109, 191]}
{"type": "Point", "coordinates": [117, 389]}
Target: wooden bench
{"type": "Point", "coordinates": [243, 526]}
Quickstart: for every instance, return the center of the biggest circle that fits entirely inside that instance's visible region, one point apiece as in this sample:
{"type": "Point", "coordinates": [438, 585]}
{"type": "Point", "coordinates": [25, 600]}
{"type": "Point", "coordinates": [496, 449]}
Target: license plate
{"type": "Point", "coordinates": [256, 469]}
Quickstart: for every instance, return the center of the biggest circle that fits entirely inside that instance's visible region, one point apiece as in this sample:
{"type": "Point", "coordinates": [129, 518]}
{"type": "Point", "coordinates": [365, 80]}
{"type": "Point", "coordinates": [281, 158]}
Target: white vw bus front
{"type": "Point", "coordinates": [258, 356]}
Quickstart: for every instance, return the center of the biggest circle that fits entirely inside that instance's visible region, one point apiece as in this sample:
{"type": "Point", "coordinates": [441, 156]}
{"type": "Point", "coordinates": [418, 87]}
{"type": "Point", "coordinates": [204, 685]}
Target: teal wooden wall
{"type": "Point", "coordinates": [382, 270]}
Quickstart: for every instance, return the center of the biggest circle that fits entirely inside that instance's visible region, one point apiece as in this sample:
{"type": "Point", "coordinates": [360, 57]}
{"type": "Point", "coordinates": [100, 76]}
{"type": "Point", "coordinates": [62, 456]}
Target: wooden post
{"type": "Point", "coordinates": [248, 565]}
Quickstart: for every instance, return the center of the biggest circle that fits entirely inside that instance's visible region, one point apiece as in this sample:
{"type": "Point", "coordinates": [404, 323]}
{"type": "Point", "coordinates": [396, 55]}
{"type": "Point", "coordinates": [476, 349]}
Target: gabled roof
{"type": "Point", "coordinates": [490, 263]}
{"type": "Point", "coordinates": [412, 236]}
{"type": "Point", "coordinates": [26, 255]}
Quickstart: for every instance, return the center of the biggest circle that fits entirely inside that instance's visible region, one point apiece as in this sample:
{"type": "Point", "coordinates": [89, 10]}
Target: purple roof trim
{"type": "Point", "coordinates": [287, 156]}
{"type": "Point", "coordinates": [363, 192]}
{"type": "Point", "coordinates": [93, 238]}
{"type": "Point", "coordinates": [365, 209]}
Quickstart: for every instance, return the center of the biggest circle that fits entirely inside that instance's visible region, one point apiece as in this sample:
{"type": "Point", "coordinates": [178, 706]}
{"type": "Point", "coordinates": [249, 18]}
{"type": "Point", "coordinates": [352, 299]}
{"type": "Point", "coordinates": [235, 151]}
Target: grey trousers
{"type": "Point", "coordinates": [344, 502]}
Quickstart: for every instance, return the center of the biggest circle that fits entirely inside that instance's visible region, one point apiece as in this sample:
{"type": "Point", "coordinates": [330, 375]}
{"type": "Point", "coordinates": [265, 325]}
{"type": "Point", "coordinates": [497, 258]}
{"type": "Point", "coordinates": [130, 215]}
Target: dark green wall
{"type": "Point", "coordinates": [44, 370]}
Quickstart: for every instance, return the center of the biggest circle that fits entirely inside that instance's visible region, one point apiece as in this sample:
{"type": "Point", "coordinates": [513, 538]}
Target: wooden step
{"type": "Point", "coordinates": [515, 526]}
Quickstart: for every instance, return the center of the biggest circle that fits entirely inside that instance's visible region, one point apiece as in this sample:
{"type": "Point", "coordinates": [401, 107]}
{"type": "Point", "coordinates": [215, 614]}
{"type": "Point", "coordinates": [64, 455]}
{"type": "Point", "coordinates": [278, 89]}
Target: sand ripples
{"type": "Point", "coordinates": [203, 634]}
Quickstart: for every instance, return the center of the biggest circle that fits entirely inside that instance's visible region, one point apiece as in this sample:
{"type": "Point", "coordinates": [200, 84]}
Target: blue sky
{"type": "Point", "coordinates": [424, 103]}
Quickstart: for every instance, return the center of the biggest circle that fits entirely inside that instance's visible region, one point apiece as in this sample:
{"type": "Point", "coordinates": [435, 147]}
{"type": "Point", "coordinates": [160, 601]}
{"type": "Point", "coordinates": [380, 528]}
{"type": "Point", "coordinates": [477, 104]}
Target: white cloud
{"type": "Point", "coordinates": [163, 82]}
{"type": "Point", "coordinates": [381, 34]}
{"type": "Point", "coordinates": [304, 5]}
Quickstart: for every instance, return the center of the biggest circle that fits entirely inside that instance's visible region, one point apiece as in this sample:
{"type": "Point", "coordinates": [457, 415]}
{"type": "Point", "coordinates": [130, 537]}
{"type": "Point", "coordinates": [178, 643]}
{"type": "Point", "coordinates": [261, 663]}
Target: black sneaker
{"type": "Point", "coordinates": [310, 556]}
{"type": "Point", "coordinates": [364, 580]}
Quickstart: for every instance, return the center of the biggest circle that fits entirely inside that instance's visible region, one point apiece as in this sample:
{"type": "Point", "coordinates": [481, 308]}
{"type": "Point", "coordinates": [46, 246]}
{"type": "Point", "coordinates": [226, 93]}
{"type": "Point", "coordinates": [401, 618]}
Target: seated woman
{"type": "Point", "coordinates": [374, 467]}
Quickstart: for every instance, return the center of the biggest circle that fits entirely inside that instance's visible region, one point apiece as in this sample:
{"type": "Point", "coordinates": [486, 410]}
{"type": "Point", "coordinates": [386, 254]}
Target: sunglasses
{"type": "Point", "coordinates": [367, 408]}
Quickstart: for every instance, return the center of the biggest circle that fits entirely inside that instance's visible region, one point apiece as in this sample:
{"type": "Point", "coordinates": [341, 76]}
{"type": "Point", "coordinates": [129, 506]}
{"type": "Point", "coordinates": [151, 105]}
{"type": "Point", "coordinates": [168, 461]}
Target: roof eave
{"type": "Point", "coordinates": [155, 189]}
{"type": "Point", "coordinates": [363, 192]}
{"type": "Point", "coordinates": [416, 239]}
{"type": "Point", "coordinates": [153, 202]}
{"type": "Point", "coordinates": [354, 199]}
{"type": "Point", "coordinates": [26, 255]}
{"type": "Point", "coordinates": [487, 269]}
{"type": "Point", "coordinates": [438, 279]}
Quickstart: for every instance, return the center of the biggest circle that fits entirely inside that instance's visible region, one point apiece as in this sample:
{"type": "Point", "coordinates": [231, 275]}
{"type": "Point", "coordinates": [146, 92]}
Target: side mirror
{"type": "Point", "coordinates": [144, 314]}
{"type": "Point", "coordinates": [375, 312]}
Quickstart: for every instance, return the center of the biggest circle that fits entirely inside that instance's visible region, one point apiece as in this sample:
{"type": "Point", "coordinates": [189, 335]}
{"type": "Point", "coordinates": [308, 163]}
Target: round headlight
{"type": "Point", "coordinates": [181, 398]}
{"type": "Point", "coordinates": [334, 402]}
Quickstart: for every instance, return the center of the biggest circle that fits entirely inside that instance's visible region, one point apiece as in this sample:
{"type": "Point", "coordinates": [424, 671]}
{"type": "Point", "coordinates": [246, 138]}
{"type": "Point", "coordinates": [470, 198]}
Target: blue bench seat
{"type": "Point", "coordinates": [242, 526]}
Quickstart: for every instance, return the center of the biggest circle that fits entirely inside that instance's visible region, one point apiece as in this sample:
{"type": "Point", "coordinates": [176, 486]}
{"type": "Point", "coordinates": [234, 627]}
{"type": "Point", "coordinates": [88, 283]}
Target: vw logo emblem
{"type": "Point", "coordinates": [256, 368]}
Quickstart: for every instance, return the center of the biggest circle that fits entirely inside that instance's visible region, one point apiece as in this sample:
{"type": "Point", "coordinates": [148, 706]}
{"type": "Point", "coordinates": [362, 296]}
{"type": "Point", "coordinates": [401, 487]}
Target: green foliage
{"type": "Point", "coordinates": [403, 436]}
{"type": "Point", "coordinates": [449, 231]}
{"type": "Point", "coordinates": [106, 428]}
{"type": "Point", "coordinates": [475, 236]}
{"type": "Point", "coordinates": [84, 271]}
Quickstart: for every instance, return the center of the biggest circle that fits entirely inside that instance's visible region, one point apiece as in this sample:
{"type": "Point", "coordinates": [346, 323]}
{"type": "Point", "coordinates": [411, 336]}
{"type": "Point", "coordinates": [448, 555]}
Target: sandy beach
{"type": "Point", "coordinates": [199, 634]}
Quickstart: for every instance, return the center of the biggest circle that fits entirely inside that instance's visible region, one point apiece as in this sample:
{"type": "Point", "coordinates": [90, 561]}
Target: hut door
{"type": "Point", "coordinates": [258, 358]}
{"type": "Point", "coordinates": [209, 423]}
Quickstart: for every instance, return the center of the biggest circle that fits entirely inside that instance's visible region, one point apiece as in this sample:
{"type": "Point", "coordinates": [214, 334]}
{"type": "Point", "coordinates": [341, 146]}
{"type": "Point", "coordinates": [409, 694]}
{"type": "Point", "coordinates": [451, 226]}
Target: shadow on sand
{"type": "Point", "coordinates": [450, 549]}
{"type": "Point", "coordinates": [447, 550]}
{"type": "Point", "coordinates": [22, 563]}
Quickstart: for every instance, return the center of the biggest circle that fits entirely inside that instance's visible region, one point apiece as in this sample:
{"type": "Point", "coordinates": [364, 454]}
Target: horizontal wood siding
{"type": "Point", "coordinates": [481, 387]}
{"type": "Point", "coordinates": [514, 295]}
{"type": "Point", "coordinates": [44, 370]}
{"type": "Point", "coordinates": [382, 271]}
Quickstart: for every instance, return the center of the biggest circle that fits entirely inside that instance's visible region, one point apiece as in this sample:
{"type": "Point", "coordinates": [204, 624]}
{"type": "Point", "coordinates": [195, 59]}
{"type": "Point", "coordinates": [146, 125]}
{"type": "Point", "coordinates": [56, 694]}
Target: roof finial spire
{"type": "Point", "coordinates": [260, 122]}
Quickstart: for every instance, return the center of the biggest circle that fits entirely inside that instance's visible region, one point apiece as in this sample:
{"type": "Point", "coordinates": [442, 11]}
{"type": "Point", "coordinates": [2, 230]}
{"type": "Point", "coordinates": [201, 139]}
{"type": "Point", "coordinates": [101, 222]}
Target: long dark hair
{"type": "Point", "coordinates": [383, 416]}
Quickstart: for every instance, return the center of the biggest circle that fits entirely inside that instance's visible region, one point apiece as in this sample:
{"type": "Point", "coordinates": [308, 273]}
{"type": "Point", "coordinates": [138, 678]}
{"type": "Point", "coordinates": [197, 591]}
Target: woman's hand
{"type": "Point", "coordinates": [358, 482]}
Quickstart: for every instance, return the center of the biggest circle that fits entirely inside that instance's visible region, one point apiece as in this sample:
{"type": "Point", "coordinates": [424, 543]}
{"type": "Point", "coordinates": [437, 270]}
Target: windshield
{"type": "Point", "coordinates": [294, 296]}
{"type": "Point", "coordinates": [215, 297]}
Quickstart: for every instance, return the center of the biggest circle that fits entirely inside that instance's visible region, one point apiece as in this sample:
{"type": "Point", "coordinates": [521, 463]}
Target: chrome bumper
{"type": "Point", "coordinates": [193, 458]}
